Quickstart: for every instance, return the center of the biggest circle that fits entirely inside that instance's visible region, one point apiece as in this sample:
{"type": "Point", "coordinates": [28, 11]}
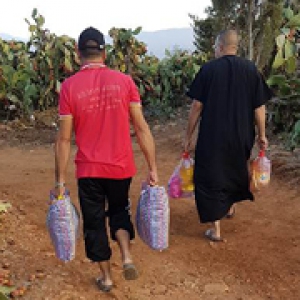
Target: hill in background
{"type": "Point", "coordinates": [171, 39]}
{"type": "Point", "coordinates": [9, 37]}
{"type": "Point", "coordinates": [156, 41]}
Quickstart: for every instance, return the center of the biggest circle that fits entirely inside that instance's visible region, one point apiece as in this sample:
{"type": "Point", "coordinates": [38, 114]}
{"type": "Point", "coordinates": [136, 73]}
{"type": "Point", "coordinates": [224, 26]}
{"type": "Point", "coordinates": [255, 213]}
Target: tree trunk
{"type": "Point", "coordinates": [250, 28]}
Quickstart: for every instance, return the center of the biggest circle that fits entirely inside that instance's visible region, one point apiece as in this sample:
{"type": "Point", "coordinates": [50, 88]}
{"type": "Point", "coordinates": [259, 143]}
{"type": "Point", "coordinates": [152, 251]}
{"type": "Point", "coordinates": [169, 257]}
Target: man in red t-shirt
{"type": "Point", "coordinates": [98, 104]}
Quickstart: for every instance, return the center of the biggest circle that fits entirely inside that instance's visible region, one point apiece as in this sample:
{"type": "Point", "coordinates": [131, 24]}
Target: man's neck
{"type": "Point", "coordinates": [97, 60]}
{"type": "Point", "coordinates": [230, 50]}
{"type": "Point", "coordinates": [229, 53]}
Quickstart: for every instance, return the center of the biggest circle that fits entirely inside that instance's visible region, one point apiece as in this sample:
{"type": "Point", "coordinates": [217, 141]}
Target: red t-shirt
{"type": "Point", "coordinates": [98, 100]}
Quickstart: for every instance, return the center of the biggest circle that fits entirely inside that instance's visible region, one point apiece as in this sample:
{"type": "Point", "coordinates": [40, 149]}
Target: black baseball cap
{"type": "Point", "coordinates": [91, 34]}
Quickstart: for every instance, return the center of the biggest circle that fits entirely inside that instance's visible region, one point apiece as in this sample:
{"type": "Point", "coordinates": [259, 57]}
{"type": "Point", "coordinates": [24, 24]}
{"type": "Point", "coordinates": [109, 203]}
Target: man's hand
{"type": "Point", "coordinates": [152, 178]}
{"type": "Point", "coordinates": [262, 142]}
{"type": "Point", "coordinates": [187, 145]}
{"type": "Point", "coordinates": [59, 191]}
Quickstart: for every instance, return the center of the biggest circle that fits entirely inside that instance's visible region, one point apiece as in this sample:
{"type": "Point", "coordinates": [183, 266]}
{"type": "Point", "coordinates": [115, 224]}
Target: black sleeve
{"type": "Point", "coordinates": [262, 92]}
{"type": "Point", "coordinates": [197, 90]}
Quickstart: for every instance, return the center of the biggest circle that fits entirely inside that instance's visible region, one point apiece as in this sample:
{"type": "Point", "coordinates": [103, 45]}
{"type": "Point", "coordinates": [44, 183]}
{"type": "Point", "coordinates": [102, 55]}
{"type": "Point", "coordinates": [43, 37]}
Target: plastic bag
{"type": "Point", "coordinates": [174, 184]}
{"type": "Point", "coordinates": [186, 175]}
{"type": "Point", "coordinates": [153, 217]}
{"type": "Point", "coordinates": [63, 226]}
{"type": "Point", "coordinates": [261, 171]}
{"type": "Point", "coordinates": [180, 184]}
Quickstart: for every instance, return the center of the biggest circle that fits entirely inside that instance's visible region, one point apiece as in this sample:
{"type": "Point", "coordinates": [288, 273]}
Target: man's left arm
{"type": "Point", "coordinates": [62, 153]}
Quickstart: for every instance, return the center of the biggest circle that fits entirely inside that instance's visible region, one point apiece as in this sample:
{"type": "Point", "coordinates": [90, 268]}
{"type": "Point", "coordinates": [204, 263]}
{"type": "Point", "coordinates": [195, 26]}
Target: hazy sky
{"type": "Point", "coordinates": [71, 17]}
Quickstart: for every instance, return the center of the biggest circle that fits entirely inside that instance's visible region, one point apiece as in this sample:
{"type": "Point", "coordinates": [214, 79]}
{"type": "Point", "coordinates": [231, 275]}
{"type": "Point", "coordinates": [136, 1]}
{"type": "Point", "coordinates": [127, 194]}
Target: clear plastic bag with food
{"type": "Point", "coordinates": [261, 171]}
{"type": "Point", "coordinates": [180, 184]}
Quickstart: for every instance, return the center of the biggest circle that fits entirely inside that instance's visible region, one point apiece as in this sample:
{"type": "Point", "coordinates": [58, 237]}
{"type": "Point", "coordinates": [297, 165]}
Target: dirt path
{"type": "Point", "coordinates": [261, 259]}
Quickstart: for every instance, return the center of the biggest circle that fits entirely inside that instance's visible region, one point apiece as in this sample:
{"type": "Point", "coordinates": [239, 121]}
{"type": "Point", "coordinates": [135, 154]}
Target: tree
{"type": "Point", "coordinates": [204, 33]}
{"type": "Point", "coordinates": [219, 16]}
{"type": "Point", "coordinates": [267, 28]}
{"type": "Point", "coordinates": [258, 22]}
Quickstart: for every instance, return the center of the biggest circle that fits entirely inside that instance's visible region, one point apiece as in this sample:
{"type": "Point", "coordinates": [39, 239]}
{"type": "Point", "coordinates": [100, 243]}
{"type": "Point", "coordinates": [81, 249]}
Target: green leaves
{"type": "Point", "coordinates": [288, 13]}
{"type": "Point", "coordinates": [32, 28]}
{"type": "Point", "coordinates": [58, 86]}
{"type": "Point", "coordinates": [294, 21]}
{"type": "Point", "coordinates": [30, 72]}
{"type": "Point", "coordinates": [286, 56]}
{"type": "Point", "coordinates": [137, 31]}
{"type": "Point", "coordinates": [34, 13]}
{"type": "Point", "coordinates": [295, 136]}
{"type": "Point", "coordinates": [291, 65]}
{"type": "Point", "coordinates": [280, 40]}
{"type": "Point", "coordinates": [286, 109]}
{"type": "Point", "coordinates": [30, 94]}
{"type": "Point", "coordinates": [68, 65]}
{"type": "Point", "coordinates": [276, 80]}
{"type": "Point", "coordinates": [278, 60]}
{"type": "Point", "coordinates": [40, 21]}
{"type": "Point", "coordinates": [289, 49]}
{"type": "Point", "coordinates": [4, 206]}
{"type": "Point", "coordinates": [3, 294]}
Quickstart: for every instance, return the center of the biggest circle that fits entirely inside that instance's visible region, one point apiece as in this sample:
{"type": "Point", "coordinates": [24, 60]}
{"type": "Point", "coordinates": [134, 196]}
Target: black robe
{"type": "Point", "coordinates": [230, 89]}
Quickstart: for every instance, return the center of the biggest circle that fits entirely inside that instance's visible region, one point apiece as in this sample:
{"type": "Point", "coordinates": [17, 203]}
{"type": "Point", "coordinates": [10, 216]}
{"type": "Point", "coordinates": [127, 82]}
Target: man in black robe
{"type": "Point", "coordinates": [229, 94]}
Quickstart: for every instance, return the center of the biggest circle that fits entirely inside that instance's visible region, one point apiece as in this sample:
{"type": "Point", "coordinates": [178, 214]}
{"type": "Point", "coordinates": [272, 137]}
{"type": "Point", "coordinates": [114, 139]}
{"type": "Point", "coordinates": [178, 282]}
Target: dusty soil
{"type": "Point", "coordinates": [260, 260]}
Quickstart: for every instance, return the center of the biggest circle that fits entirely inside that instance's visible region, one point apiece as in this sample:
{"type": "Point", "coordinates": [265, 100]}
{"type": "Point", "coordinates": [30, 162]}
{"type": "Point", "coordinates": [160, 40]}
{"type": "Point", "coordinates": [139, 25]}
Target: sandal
{"type": "Point", "coordinates": [210, 235]}
{"type": "Point", "coordinates": [103, 287]}
{"type": "Point", "coordinates": [130, 272]}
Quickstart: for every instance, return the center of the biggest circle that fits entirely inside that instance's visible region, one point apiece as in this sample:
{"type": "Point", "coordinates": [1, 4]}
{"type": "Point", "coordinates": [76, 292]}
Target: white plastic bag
{"type": "Point", "coordinates": [63, 226]}
{"type": "Point", "coordinates": [153, 217]}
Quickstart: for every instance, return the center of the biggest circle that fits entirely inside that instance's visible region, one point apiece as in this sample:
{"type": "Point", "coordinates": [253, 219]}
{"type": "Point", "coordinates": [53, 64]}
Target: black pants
{"type": "Point", "coordinates": [95, 194]}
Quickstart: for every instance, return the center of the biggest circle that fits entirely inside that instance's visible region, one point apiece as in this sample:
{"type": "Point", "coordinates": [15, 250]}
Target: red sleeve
{"type": "Point", "coordinates": [64, 102]}
{"type": "Point", "coordinates": [134, 95]}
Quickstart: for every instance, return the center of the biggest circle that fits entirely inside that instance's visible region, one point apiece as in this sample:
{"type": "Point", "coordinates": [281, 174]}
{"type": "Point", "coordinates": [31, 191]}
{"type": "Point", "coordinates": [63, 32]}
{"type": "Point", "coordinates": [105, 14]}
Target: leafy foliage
{"type": "Point", "coordinates": [31, 73]}
{"type": "Point", "coordinates": [4, 206]}
{"type": "Point", "coordinates": [258, 23]}
{"type": "Point", "coordinates": [285, 111]}
{"type": "Point", "coordinates": [295, 136]}
{"type": "Point", "coordinates": [3, 294]}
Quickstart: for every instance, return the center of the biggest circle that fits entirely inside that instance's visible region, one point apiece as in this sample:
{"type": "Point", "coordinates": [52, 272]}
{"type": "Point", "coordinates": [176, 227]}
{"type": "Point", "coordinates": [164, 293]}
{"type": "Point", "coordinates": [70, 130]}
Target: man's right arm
{"type": "Point", "coordinates": [145, 140]}
{"type": "Point", "coordinates": [260, 121]}
{"type": "Point", "coordinates": [194, 116]}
